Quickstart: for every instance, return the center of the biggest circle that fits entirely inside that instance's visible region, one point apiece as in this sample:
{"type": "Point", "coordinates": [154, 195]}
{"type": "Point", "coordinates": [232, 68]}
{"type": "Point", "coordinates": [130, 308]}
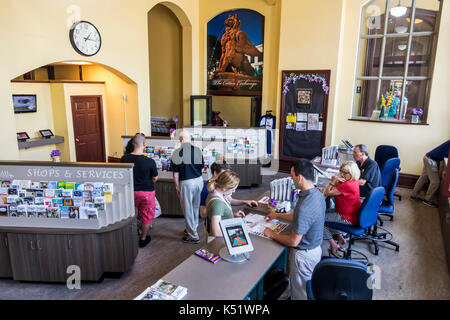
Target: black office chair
{"type": "Point", "coordinates": [338, 279]}
{"type": "Point", "coordinates": [382, 154]}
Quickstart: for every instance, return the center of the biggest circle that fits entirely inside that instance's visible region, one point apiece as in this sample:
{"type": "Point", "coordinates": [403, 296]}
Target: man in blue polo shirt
{"type": "Point", "coordinates": [370, 172]}
{"type": "Point", "coordinates": [430, 173]}
{"type": "Point", "coordinates": [187, 165]}
{"type": "Point", "coordinates": [307, 224]}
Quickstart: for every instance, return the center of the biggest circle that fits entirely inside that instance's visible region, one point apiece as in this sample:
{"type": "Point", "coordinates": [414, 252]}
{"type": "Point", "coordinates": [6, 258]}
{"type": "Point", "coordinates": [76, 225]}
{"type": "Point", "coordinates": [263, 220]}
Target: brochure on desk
{"type": "Point", "coordinates": [256, 224]}
{"type": "Point", "coordinates": [163, 290]}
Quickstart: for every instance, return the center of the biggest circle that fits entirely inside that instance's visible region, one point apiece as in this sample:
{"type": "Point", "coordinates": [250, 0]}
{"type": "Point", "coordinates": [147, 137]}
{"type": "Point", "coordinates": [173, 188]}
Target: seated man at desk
{"type": "Point", "coordinates": [307, 223]}
{"type": "Point", "coordinates": [370, 172]}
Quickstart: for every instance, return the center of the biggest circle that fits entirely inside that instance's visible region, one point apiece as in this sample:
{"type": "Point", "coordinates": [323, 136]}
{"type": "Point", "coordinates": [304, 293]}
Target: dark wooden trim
{"type": "Point", "coordinates": [406, 180]}
{"type": "Point", "coordinates": [50, 72]}
{"type": "Point", "coordinates": [113, 159]}
{"type": "Point", "coordinates": [59, 81]}
{"type": "Point", "coordinates": [281, 121]}
{"type": "Point", "coordinates": [80, 72]}
{"type": "Point", "coordinates": [388, 121]}
{"type": "Point", "coordinates": [102, 123]}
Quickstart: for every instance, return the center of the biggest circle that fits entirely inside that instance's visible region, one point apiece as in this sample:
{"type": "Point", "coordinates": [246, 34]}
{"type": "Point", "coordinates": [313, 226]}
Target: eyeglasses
{"type": "Point", "coordinates": [344, 172]}
{"type": "Point", "coordinates": [140, 134]}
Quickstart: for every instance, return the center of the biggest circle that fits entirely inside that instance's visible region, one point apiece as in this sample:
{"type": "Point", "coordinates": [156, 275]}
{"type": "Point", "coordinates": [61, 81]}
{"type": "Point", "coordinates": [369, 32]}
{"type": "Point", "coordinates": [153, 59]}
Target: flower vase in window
{"type": "Point", "coordinates": [416, 114]}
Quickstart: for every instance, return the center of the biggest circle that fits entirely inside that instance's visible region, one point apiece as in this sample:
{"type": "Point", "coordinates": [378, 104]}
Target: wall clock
{"type": "Point", "coordinates": [85, 38]}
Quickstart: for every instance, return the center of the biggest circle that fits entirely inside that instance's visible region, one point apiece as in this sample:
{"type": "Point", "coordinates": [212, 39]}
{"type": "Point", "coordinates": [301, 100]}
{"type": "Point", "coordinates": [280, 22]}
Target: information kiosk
{"type": "Point", "coordinates": [237, 240]}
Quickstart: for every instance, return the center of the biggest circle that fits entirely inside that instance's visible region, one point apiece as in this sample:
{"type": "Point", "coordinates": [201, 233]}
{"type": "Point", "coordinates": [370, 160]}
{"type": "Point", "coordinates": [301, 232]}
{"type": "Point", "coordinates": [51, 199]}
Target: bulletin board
{"type": "Point", "coordinates": [303, 120]}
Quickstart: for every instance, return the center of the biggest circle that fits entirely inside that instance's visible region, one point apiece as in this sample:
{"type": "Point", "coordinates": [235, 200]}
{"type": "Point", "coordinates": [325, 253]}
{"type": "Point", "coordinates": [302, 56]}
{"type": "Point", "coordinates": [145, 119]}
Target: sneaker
{"type": "Point", "coordinates": [188, 239]}
{"type": "Point", "coordinates": [430, 203]}
{"type": "Point", "coordinates": [416, 198]}
{"type": "Point", "coordinates": [185, 232]}
{"type": "Point", "coordinates": [143, 243]}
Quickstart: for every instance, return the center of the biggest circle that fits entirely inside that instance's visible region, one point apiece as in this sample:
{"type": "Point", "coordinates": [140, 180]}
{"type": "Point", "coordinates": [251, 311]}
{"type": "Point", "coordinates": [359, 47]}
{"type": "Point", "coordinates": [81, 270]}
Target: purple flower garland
{"type": "Point", "coordinates": [293, 78]}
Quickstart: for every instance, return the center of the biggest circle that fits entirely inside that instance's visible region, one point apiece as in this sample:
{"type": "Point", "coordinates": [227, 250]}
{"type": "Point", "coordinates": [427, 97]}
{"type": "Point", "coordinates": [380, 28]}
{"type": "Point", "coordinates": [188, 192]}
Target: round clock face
{"type": "Point", "coordinates": [85, 38]}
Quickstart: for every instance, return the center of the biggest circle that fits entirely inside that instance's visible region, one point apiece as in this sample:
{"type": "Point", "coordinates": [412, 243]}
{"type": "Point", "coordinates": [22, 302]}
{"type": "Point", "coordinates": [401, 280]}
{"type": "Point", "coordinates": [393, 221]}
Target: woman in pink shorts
{"type": "Point", "coordinates": [145, 175]}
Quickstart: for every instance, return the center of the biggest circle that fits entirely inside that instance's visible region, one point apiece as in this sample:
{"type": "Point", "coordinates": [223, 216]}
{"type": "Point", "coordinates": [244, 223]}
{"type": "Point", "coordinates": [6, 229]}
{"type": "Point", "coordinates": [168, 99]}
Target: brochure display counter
{"type": "Point", "coordinates": [56, 215]}
{"type": "Point", "coordinates": [244, 149]}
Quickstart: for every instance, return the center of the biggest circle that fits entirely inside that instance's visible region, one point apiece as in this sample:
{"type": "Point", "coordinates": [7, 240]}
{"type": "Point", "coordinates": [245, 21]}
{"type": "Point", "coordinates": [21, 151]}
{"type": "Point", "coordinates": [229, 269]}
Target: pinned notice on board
{"type": "Point", "coordinates": [313, 121]}
{"type": "Point", "coordinates": [291, 118]}
{"type": "Point", "coordinates": [302, 116]}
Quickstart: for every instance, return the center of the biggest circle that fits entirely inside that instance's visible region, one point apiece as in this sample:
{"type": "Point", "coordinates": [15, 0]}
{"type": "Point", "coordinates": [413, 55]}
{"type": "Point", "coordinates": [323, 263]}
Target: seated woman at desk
{"type": "Point", "coordinates": [218, 204]}
{"type": "Point", "coordinates": [216, 168]}
{"type": "Point", "coordinates": [345, 189]}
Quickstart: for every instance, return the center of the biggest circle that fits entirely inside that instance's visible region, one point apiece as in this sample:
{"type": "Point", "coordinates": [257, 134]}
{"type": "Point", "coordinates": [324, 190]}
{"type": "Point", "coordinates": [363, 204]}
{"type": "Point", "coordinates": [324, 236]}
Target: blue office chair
{"type": "Point", "coordinates": [382, 154]}
{"type": "Point", "coordinates": [367, 228]}
{"type": "Point", "coordinates": [338, 279]}
{"type": "Point", "coordinates": [387, 206]}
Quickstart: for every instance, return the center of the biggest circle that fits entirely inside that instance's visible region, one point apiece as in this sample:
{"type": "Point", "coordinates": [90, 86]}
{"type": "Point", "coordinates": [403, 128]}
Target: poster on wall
{"type": "Point", "coordinates": [235, 43]}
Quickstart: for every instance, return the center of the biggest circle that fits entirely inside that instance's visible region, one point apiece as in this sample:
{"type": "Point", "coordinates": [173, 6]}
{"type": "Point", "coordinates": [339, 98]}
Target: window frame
{"type": "Point", "coordinates": [404, 78]}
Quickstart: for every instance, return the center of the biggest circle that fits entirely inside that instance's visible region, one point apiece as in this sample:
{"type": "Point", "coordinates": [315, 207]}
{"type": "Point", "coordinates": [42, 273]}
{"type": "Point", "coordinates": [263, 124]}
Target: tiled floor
{"type": "Point", "coordinates": [418, 271]}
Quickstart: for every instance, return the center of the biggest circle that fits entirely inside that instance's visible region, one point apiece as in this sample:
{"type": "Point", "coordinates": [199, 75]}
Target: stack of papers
{"type": "Point", "coordinates": [163, 290]}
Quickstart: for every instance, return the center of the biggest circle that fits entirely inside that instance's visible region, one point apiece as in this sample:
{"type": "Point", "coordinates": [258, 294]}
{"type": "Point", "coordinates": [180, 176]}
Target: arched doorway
{"type": "Point", "coordinates": [73, 99]}
{"type": "Point", "coordinates": [170, 62]}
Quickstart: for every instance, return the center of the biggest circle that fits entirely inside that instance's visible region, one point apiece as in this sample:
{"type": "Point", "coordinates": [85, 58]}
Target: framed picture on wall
{"type": "Point", "coordinates": [24, 103]}
{"type": "Point", "coordinates": [304, 97]}
{"type": "Point", "coordinates": [235, 53]}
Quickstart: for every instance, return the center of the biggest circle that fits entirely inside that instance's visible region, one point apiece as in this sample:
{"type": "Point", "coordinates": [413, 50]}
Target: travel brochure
{"type": "Point", "coordinates": [209, 256]}
{"type": "Point", "coordinates": [163, 155]}
{"type": "Point", "coordinates": [256, 224]}
{"type": "Point", "coordinates": [163, 290]}
{"type": "Point", "coordinates": [53, 199]}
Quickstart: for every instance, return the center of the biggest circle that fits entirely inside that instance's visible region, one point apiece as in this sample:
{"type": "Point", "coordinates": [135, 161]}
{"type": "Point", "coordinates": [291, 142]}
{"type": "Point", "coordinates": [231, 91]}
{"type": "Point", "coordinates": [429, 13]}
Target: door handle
{"type": "Point", "coordinates": [77, 140]}
{"type": "Point", "coordinates": [69, 243]}
{"type": "Point", "coordinates": [31, 245]}
{"type": "Point", "coordinates": [6, 242]}
{"type": "Point", "coordinates": [39, 245]}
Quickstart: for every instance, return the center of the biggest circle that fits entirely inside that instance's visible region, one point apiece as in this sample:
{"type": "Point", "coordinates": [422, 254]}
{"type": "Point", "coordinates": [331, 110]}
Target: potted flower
{"type": "Point", "coordinates": [55, 154]}
{"type": "Point", "coordinates": [416, 114]}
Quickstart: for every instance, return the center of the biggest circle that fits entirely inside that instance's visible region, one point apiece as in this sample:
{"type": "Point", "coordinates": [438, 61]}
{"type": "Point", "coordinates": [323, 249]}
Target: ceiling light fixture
{"type": "Point", "coordinates": [399, 10]}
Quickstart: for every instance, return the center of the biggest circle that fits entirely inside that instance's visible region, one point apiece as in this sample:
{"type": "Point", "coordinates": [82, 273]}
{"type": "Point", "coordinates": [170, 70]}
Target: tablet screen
{"type": "Point", "coordinates": [237, 236]}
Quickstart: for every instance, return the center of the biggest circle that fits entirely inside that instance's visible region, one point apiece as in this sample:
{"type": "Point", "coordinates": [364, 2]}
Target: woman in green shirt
{"type": "Point", "coordinates": [218, 205]}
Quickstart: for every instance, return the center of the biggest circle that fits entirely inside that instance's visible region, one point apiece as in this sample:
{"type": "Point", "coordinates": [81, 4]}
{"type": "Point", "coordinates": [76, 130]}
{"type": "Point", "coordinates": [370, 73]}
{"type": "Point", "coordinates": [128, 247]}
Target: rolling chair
{"type": "Point", "coordinates": [387, 206]}
{"type": "Point", "coordinates": [338, 279]}
{"type": "Point", "coordinates": [382, 154]}
{"type": "Point", "coordinates": [367, 228]}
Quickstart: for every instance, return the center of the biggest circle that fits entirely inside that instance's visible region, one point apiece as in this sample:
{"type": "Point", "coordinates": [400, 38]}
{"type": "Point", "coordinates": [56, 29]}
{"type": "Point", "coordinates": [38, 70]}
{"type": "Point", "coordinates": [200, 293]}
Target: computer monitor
{"type": "Point", "coordinates": [348, 144]}
{"type": "Point", "coordinates": [237, 240]}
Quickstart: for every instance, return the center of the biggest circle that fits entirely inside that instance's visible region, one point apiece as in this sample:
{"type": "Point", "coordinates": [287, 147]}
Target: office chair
{"type": "Point", "coordinates": [382, 154]}
{"type": "Point", "coordinates": [338, 279]}
{"type": "Point", "coordinates": [387, 206]}
{"type": "Point", "coordinates": [367, 228]}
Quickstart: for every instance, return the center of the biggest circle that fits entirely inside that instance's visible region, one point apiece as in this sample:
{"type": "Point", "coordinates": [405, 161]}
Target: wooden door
{"type": "Point", "coordinates": [5, 262]}
{"type": "Point", "coordinates": [88, 128]}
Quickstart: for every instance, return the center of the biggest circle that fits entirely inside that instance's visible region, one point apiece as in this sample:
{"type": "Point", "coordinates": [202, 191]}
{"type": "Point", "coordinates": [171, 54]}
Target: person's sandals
{"type": "Point", "coordinates": [143, 243]}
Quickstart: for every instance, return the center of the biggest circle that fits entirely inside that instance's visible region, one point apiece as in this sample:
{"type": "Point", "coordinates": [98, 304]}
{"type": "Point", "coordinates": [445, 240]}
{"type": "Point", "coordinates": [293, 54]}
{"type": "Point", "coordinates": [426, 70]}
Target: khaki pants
{"type": "Point", "coordinates": [430, 173]}
{"type": "Point", "coordinates": [301, 267]}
